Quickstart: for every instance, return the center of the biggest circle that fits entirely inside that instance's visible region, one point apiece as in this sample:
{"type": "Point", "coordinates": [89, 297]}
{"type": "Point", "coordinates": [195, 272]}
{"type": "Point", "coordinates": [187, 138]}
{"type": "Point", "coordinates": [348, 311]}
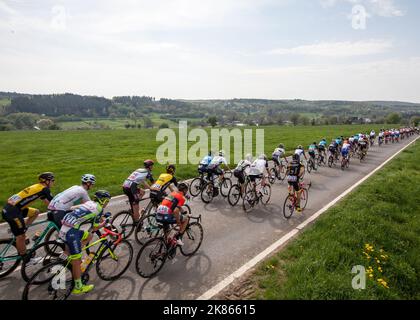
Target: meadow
{"type": "Point", "coordinates": [113, 154]}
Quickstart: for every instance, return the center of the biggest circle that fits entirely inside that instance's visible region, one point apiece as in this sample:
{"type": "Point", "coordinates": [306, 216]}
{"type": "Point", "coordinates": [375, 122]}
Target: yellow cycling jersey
{"type": "Point", "coordinates": [164, 180]}
{"type": "Point", "coordinates": [28, 195]}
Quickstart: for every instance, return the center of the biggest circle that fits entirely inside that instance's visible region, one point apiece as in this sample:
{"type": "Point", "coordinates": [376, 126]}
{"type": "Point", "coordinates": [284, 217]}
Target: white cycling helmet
{"type": "Point", "coordinates": [262, 157]}
{"type": "Point", "coordinates": [88, 178]}
{"type": "Point", "coordinates": [249, 157]}
{"type": "Point", "coordinates": [222, 153]}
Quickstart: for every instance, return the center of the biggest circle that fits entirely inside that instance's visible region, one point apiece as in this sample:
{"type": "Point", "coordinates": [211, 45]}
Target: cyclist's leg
{"type": "Point", "coordinates": [32, 214]}
{"type": "Point", "coordinates": [15, 218]}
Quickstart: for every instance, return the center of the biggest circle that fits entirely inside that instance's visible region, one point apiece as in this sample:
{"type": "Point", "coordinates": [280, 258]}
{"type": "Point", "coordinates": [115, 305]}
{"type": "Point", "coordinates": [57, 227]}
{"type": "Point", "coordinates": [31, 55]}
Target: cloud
{"type": "Point", "coordinates": [336, 49]}
{"type": "Point", "coordinates": [383, 8]}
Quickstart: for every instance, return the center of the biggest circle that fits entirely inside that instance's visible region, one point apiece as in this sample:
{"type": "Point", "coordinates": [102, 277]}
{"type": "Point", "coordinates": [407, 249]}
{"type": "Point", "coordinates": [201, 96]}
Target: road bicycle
{"type": "Point", "coordinates": [345, 162]}
{"type": "Point", "coordinates": [277, 172]}
{"type": "Point", "coordinates": [237, 191]}
{"type": "Point", "coordinates": [54, 281]}
{"type": "Point", "coordinates": [156, 251]}
{"type": "Point", "coordinates": [9, 256]}
{"type": "Point", "coordinates": [321, 159]}
{"type": "Point", "coordinates": [332, 159]}
{"type": "Point", "coordinates": [211, 188]}
{"type": "Point", "coordinates": [124, 221]}
{"type": "Point", "coordinates": [148, 227]}
{"type": "Point", "coordinates": [312, 164]}
{"type": "Point", "coordinates": [253, 196]}
{"type": "Point", "coordinates": [290, 202]}
{"type": "Point", "coordinates": [197, 185]}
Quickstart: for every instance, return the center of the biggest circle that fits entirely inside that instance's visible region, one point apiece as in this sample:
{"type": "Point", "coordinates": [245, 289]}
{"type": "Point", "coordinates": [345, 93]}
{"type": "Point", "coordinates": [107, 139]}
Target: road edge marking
{"type": "Point", "coordinates": [283, 240]}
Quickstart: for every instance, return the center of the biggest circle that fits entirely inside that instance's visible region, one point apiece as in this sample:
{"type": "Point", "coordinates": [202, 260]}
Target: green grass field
{"type": "Point", "coordinates": [383, 213]}
{"type": "Point", "coordinates": [113, 154]}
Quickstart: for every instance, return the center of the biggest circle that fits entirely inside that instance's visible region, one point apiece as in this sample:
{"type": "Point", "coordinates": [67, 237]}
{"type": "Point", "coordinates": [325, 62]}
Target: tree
{"type": "Point", "coordinates": [295, 118]}
{"type": "Point", "coordinates": [164, 125]}
{"type": "Point", "coordinates": [23, 120]}
{"type": "Point", "coordinates": [212, 121]}
{"type": "Point", "coordinates": [45, 124]}
{"type": "Point", "coordinates": [415, 121]}
{"type": "Point", "coordinates": [304, 120]}
{"type": "Point", "coordinates": [313, 122]}
{"type": "Point", "coordinates": [393, 118]}
{"type": "Point", "coordinates": [147, 122]}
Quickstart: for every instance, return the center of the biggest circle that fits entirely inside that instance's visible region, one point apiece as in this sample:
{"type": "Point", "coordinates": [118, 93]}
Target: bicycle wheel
{"type": "Point", "coordinates": [52, 282]}
{"type": "Point", "coordinates": [309, 166]}
{"type": "Point", "coordinates": [234, 195]}
{"type": "Point", "coordinates": [39, 256]}
{"type": "Point", "coordinates": [289, 206]}
{"type": "Point", "coordinates": [249, 200]}
{"type": "Point", "coordinates": [272, 175]}
{"type": "Point", "coordinates": [151, 257]}
{"type": "Point", "coordinates": [114, 260]}
{"type": "Point", "coordinates": [192, 238]}
{"type": "Point", "coordinates": [304, 198]}
{"type": "Point", "coordinates": [124, 223]}
{"type": "Point", "coordinates": [330, 161]}
{"type": "Point", "coordinates": [146, 228]}
{"type": "Point", "coordinates": [196, 186]}
{"type": "Point", "coordinates": [225, 186]}
{"type": "Point", "coordinates": [343, 163]}
{"type": "Point", "coordinates": [265, 194]}
{"type": "Point", "coordinates": [52, 235]}
{"type": "Point", "coordinates": [9, 257]}
{"type": "Point", "coordinates": [282, 173]}
{"type": "Point", "coordinates": [207, 193]}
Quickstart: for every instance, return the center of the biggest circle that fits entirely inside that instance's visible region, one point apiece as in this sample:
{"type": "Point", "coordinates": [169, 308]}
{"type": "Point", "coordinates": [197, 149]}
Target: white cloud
{"type": "Point", "coordinates": [336, 49]}
{"type": "Point", "coordinates": [383, 8]}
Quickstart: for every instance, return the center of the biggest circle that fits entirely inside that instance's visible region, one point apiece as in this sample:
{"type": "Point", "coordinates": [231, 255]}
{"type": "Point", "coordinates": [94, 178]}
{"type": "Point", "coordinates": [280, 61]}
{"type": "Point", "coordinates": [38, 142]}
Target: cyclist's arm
{"type": "Point", "coordinates": [75, 207]}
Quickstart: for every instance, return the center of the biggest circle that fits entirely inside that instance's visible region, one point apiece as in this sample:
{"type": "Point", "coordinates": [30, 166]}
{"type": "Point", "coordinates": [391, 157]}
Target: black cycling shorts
{"type": "Point", "coordinates": [295, 185]}
{"type": "Point", "coordinates": [132, 193]}
{"type": "Point", "coordinates": [15, 218]}
{"type": "Point", "coordinates": [239, 174]}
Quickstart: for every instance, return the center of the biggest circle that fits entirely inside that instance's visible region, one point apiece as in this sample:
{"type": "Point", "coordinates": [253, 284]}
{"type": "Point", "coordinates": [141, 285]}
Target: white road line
{"type": "Point", "coordinates": [282, 241]}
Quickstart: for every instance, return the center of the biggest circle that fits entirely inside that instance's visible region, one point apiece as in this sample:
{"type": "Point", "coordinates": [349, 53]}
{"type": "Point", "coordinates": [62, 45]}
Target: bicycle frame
{"type": "Point", "coordinates": [50, 226]}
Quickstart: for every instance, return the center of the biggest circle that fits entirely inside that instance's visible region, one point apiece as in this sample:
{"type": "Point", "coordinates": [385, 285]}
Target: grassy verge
{"type": "Point", "coordinates": [377, 226]}
{"type": "Point", "coordinates": [113, 154]}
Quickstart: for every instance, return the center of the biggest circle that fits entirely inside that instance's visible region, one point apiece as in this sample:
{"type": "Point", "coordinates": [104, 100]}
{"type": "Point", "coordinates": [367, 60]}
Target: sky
{"type": "Point", "coordinates": [213, 49]}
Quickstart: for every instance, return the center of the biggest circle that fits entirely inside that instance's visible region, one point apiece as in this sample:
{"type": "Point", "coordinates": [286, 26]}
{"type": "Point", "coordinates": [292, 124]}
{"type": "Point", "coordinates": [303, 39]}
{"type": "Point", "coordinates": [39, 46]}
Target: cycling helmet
{"type": "Point", "coordinates": [262, 157]}
{"type": "Point", "coordinates": [46, 176]}
{"type": "Point", "coordinates": [324, 139]}
{"type": "Point", "coordinates": [296, 157]}
{"type": "Point", "coordinates": [314, 143]}
{"type": "Point", "coordinates": [88, 178]}
{"type": "Point", "coordinates": [183, 187]}
{"type": "Point", "coordinates": [102, 197]}
{"type": "Point", "coordinates": [170, 168]}
{"type": "Point", "coordinates": [281, 145]}
{"type": "Point", "coordinates": [210, 153]}
{"type": "Point", "coordinates": [249, 157]}
{"type": "Point", "coordinates": [221, 153]}
{"type": "Point", "coordinates": [148, 163]}
{"type": "Point", "coordinates": [300, 147]}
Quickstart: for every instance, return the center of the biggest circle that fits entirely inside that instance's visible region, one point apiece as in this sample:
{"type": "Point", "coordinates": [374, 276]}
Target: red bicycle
{"type": "Point", "coordinates": [290, 203]}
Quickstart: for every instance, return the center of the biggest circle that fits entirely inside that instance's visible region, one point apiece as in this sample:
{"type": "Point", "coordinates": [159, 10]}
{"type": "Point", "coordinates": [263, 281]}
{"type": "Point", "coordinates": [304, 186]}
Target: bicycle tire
{"type": "Point", "coordinates": [225, 186]}
{"type": "Point", "coordinates": [146, 228]}
{"type": "Point", "coordinates": [288, 209]}
{"type": "Point", "coordinates": [189, 235]}
{"type": "Point", "coordinates": [265, 202]}
{"type": "Point", "coordinates": [208, 191]}
{"type": "Point", "coordinates": [234, 195]}
{"type": "Point", "coordinates": [102, 258]}
{"type": "Point", "coordinates": [272, 175]}
{"type": "Point", "coordinates": [15, 264]}
{"type": "Point", "coordinates": [48, 236]}
{"type": "Point", "coordinates": [49, 251]}
{"type": "Point", "coordinates": [33, 282]}
{"type": "Point", "coordinates": [125, 224]}
{"type": "Point", "coordinates": [196, 186]}
{"type": "Point", "coordinates": [304, 198]}
{"type": "Point", "coordinates": [161, 255]}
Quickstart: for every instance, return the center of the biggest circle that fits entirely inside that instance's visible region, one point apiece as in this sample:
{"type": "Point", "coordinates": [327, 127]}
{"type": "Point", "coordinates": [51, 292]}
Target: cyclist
{"type": "Point", "coordinates": [345, 150]}
{"type": "Point", "coordinates": [322, 148]}
{"type": "Point", "coordinates": [294, 173]}
{"type": "Point", "coordinates": [381, 136]}
{"type": "Point", "coordinates": [312, 152]}
{"type": "Point", "coordinates": [204, 163]}
{"type": "Point", "coordinates": [300, 151]}
{"type": "Point", "coordinates": [62, 203]}
{"type": "Point", "coordinates": [131, 186]}
{"type": "Point", "coordinates": [165, 181]}
{"type": "Point", "coordinates": [216, 162]}
{"type": "Point", "coordinates": [279, 153]}
{"type": "Point", "coordinates": [259, 169]}
{"type": "Point", "coordinates": [170, 211]}
{"type": "Point", "coordinates": [372, 135]}
{"type": "Point", "coordinates": [70, 233]}
{"type": "Point", "coordinates": [363, 143]}
{"type": "Point", "coordinates": [333, 149]}
{"type": "Point", "coordinates": [397, 135]}
{"type": "Point", "coordinates": [242, 169]}
{"type": "Point", "coordinates": [17, 208]}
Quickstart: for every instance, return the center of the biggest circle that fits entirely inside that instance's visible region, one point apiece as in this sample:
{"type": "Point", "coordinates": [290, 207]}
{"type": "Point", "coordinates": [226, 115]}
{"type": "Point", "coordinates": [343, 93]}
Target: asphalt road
{"type": "Point", "coordinates": [231, 238]}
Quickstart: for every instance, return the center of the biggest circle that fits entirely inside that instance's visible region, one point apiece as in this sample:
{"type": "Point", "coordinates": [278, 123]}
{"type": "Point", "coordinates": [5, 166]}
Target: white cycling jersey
{"type": "Point", "coordinates": [300, 152]}
{"type": "Point", "coordinates": [258, 167]}
{"type": "Point", "coordinates": [243, 165]}
{"type": "Point", "coordinates": [72, 196]}
{"type": "Point", "coordinates": [218, 160]}
{"type": "Point", "coordinates": [278, 152]}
